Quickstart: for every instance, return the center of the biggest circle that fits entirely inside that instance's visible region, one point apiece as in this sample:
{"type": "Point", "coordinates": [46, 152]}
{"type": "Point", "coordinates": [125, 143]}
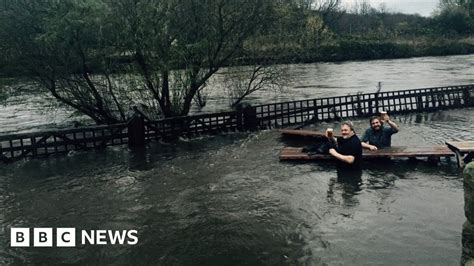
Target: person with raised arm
{"type": "Point", "coordinates": [378, 136]}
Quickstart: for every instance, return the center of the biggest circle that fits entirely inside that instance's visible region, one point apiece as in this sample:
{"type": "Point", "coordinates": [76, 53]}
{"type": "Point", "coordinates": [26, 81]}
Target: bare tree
{"type": "Point", "coordinates": [242, 81]}
{"type": "Point", "coordinates": [197, 36]}
{"type": "Point", "coordinates": [61, 48]}
{"type": "Point", "coordinates": [77, 50]}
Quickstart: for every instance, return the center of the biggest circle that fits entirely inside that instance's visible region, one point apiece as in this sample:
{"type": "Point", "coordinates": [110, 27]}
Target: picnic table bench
{"type": "Point", "coordinates": [464, 151]}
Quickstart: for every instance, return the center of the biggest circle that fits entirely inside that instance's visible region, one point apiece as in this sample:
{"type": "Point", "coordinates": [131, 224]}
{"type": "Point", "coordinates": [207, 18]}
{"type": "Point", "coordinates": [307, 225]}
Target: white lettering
{"type": "Point", "coordinates": [101, 236]}
{"type": "Point", "coordinates": [133, 238]}
{"type": "Point", "coordinates": [66, 237]}
{"type": "Point", "coordinates": [86, 236]}
{"type": "Point", "coordinates": [117, 236]}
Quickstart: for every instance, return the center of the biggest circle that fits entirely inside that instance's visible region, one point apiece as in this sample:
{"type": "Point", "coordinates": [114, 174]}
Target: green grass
{"type": "Point", "coordinates": [355, 48]}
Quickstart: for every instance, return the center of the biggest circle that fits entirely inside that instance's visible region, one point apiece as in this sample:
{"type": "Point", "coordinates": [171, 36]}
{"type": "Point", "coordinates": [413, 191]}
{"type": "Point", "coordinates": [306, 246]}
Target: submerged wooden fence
{"type": "Point", "coordinates": [16, 146]}
{"type": "Point", "coordinates": [139, 129]}
{"type": "Point", "coordinates": [367, 104]}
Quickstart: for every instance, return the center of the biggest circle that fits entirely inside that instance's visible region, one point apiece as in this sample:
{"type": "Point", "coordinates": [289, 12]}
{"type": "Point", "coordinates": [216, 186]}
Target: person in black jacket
{"type": "Point", "coordinates": [349, 148]}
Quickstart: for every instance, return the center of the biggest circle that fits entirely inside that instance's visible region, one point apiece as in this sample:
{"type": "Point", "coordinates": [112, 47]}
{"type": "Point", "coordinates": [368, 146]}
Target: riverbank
{"type": "Point", "coordinates": [340, 50]}
{"type": "Point", "coordinates": [354, 49]}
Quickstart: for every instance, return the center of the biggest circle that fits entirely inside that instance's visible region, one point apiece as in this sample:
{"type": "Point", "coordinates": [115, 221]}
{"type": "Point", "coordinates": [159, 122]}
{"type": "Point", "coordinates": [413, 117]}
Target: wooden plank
{"type": "Point", "coordinates": [461, 146]}
{"type": "Point", "coordinates": [292, 153]}
{"type": "Point", "coordinates": [302, 133]}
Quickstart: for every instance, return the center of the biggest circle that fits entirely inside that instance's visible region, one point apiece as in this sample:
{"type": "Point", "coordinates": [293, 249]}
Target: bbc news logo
{"type": "Point", "coordinates": [66, 237]}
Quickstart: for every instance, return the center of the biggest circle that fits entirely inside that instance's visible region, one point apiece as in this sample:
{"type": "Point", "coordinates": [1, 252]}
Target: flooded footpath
{"type": "Point", "coordinates": [227, 199]}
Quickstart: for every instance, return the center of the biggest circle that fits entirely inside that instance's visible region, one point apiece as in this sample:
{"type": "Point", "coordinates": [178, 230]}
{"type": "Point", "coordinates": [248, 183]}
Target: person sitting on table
{"type": "Point", "coordinates": [377, 136]}
{"type": "Point", "coordinates": [349, 148]}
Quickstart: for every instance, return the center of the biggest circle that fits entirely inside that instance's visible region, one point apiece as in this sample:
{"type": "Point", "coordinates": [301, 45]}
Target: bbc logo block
{"type": "Point", "coordinates": [20, 237]}
{"type": "Point", "coordinates": [42, 237]}
{"type": "Point", "coordinates": [66, 237]}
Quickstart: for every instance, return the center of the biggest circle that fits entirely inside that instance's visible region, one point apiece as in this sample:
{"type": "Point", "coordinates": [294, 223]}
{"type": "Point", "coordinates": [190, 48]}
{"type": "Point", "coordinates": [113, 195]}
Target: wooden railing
{"type": "Point", "coordinates": [189, 126]}
{"type": "Point", "coordinates": [140, 129]}
{"type": "Point", "coordinates": [361, 105]}
{"type": "Point", "coordinates": [16, 146]}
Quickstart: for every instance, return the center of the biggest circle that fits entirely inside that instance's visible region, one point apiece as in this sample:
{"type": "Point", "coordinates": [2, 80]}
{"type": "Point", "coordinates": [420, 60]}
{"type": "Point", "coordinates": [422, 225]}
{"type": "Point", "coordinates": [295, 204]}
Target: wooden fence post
{"type": "Point", "coordinates": [2, 157]}
{"type": "Point", "coordinates": [33, 146]}
{"type": "Point", "coordinates": [250, 118]}
{"type": "Point", "coordinates": [376, 101]}
{"type": "Point", "coordinates": [468, 99]}
{"type": "Point", "coordinates": [369, 107]}
{"type": "Point", "coordinates": [240, 119]}
{"type": "Point", "coordinates": [246, 118]}
{"type": "Point", "coordinates": [419, 103]}
{"type": "Point", "coordinates": [136, 131]}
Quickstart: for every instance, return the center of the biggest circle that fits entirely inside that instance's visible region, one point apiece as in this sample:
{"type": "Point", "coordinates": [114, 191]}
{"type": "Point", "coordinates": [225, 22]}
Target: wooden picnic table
{"type": "Point", "coordinates": [464, 151]}
{"type": "Point", "coordinates": [295, 153]}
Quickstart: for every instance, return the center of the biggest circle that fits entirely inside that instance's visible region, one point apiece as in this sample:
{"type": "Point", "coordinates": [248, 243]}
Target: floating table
{"type": "Point", "coordinates": [431, 152]}
{"type": "Point", "coordinates": [464, 151]}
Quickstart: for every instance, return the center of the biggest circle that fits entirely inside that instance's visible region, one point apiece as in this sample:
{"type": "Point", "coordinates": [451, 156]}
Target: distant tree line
{"type": "Point", "coordinates": [366, 32]}
{"type": "Point", "coordinates": [456, 16]}
{"type": "Point", "coordinates": [101, 57]}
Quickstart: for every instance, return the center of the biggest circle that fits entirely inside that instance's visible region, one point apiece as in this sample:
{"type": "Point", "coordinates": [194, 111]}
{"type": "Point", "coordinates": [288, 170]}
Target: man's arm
{"type": "Point", "coordinates": [392, 124]}
{"type": "Point", "coordinates": [345, 158]}
{"type": "Point", "coordinates": [368, 146]}
{"type": "Point", "coordinates": [365, 141]}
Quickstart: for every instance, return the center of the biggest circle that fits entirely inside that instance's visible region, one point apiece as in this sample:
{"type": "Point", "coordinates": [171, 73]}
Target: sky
{"type": "Point", "coordinates": [422, 7]}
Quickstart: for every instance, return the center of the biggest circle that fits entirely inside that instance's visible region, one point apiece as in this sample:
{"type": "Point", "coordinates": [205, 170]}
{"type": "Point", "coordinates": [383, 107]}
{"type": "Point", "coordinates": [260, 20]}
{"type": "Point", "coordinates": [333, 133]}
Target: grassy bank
{"type": "Point", "coordinates": [342, 49]}
{"type": "Point", "coordinates": [361, 49]}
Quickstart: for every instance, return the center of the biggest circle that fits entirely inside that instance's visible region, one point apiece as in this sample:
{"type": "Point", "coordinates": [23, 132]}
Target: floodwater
{"type": "Point", "coordinates": [309, 81]}
{"type": "Point", "coordinates": [227, 199]}
{"type": "Point", "coordinates": [26, 112]}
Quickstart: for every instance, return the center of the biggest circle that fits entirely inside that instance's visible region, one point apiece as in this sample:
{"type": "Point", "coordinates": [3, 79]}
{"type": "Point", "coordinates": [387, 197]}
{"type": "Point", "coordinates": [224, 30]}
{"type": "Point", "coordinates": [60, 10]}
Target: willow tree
{"type": "Point", "coordinates": [79, 50]}
{"type": "Point", "coordinates": [100, 57]}
{"type": "Point", "coordinates": [177, 45]}
{"type": "Point", "coordinates": [64, 46]}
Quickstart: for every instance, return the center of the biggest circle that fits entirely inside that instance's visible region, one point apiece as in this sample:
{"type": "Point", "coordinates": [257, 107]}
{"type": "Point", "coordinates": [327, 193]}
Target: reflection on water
{"type": "Point", "coordinates": [228, 200]}
{"type": "Point", "coordinates": [349, 183]}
